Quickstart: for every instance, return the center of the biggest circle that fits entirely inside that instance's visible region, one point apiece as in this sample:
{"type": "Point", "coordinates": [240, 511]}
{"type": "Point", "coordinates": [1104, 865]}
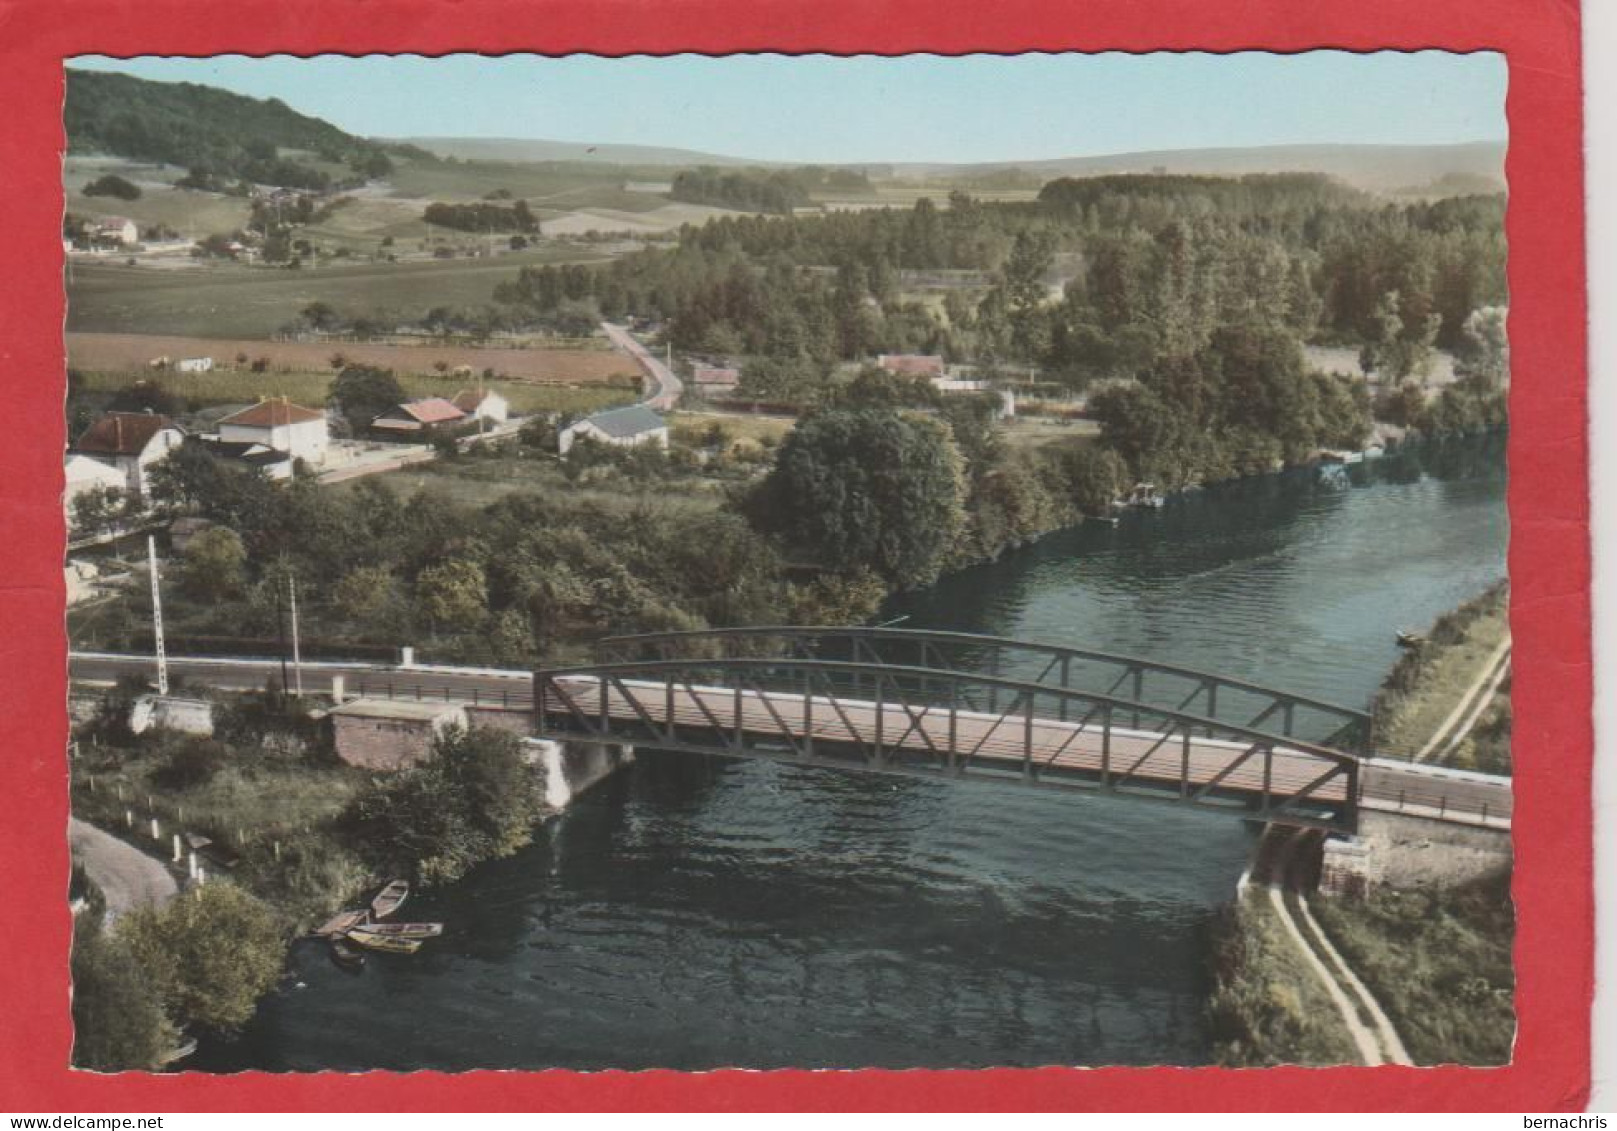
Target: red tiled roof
{"type": "Point", "coordinates": [433, 410]}
{"type": "Point", "coordinates": [912, 364]}
{"type": "Point", "coordinates": [122, 433]}
{"type": "Point", "coordinates": [273, 414]}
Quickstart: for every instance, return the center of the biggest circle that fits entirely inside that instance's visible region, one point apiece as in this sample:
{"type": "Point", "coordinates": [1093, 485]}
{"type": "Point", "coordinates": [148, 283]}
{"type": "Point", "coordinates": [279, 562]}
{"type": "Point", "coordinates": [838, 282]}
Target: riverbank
{"type": "Point", "coordinates": [1437, 960]}
{"type": "Point", "coordinates": [1447, 700]}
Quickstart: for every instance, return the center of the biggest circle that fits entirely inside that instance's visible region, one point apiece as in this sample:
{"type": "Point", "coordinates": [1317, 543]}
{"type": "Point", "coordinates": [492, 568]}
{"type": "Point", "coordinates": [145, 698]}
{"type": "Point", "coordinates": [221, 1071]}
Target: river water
{"type": "Point", "coordinates": [694, 913]}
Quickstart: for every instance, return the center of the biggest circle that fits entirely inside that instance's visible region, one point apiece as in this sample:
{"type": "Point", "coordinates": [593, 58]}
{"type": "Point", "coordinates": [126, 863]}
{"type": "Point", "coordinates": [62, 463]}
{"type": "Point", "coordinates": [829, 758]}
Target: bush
{"type": "Point", "coordinates": [191, 762]}
{"type": "Point", "coordinates": [211, 954]}
{"type": "Point", "coordinates": [118, 1019]}
{"type": "Point", "coordinates": [113, 185]}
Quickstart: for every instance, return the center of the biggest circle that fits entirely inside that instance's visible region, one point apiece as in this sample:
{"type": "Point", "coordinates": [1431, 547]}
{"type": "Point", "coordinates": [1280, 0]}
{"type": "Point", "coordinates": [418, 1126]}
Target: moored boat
{"type": "Point", "coordinates": [404, 930]}
{"type": "Point", "coordinates": [372, 941]}
{"type": "Point", "coordinates": [389, 899]}
{"type": "Point", "coordinates": [346, 957]}
{"type": "Point", "coordinates": [340, 923]}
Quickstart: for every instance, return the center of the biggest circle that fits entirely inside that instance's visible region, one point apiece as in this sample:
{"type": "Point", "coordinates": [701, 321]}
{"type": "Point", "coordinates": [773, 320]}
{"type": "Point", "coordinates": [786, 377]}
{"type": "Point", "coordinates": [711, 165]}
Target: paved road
{"type": "Point", "coordinates": [668, 388]}
{"type": "Point", "coordinates": [126, 875]}
{"type": "Point", "coordinates": [1388, 785]}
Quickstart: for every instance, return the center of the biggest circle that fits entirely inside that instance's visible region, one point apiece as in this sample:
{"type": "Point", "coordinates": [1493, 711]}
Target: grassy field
{"type": "Point", "coordinates": [245, 807]}
{"type": "Point", "coordinates": [692, 427]}
{"type": "Point", "coordinates": [1043, 432]}
{"type": "Point", "coordinates": [1430, 681]}
{"type": "Point", "coordinates": [480, 480]}
{"type": "Point", "coordinates": [1266, 1008]}
{"type": "Point", "coordinates": [228, 300]}
{"type": "Point", "coordinates": [239, 386]}
{"type": "Point", "coordinates": [110, 353]}
{"type": "Point", "coordinates": [1438, 962]}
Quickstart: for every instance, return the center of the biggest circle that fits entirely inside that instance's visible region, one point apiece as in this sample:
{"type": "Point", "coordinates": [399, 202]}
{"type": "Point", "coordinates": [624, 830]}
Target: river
{"type": "Point", "coordinates": [693, 913]}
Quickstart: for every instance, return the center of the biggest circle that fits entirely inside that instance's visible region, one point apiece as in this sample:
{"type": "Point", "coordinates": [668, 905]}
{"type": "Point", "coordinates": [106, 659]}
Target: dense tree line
{"type": "Point", "coordinates": [756, 190]}
{"type": "Point", "coordinates": [483, 217]}
{"type": "Point", "coordinates": [220, 136]}
{"type": "Point", "coordinates": [1096, 280]}
{"type": "Point", "coordinates": [111, 184]}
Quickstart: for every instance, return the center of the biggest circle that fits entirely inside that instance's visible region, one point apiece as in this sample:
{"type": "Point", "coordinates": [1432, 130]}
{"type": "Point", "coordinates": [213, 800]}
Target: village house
{"type": "Point", "coordinates": [131, 442]}
{"type": "Point", "coordinates": [715, 379]}
{"type": "Point", "coordinates": [281, 426]}
{"type": "Point", "coordinates": [84, 473]}
{"type": "Point", "coordinates": [483, 404]}
{"type": "Point", "coordinates": [419, 417]}
{"type": "Point", "coordinates": [913, 364]}
{"type": "Point", "coordinates": [623, 427]}
{"type": "Point", "coordinates": [390, 734]}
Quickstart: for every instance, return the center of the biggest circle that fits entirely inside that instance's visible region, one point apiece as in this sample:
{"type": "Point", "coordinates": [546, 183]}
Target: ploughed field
{"type": "Point", "coordinates": [568, 366]}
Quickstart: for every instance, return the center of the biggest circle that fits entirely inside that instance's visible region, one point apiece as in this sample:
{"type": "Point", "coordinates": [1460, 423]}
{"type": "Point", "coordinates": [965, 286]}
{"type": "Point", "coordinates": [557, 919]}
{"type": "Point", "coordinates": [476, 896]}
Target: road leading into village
{"type": "Point", "coordinates": [669, 387]}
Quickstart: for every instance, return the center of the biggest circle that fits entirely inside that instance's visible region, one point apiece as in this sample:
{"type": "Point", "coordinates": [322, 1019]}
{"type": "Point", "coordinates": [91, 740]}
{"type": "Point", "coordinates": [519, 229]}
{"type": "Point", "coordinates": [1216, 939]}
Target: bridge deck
{"type": "Point", "coordinates": [1019, 744]}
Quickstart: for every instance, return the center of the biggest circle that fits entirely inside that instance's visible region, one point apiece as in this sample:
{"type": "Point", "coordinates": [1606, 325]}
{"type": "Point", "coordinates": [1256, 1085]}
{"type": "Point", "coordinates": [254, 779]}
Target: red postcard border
{"type": "Point", "coordinates": [1548, 496]}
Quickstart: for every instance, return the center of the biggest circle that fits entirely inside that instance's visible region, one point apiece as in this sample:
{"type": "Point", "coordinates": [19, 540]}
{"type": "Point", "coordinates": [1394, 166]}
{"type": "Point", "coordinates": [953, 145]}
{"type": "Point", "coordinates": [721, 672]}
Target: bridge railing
{"type": "Point", "coordinates": [906, 719]}
{"type": "Point", "coordinates": [1146, 682]}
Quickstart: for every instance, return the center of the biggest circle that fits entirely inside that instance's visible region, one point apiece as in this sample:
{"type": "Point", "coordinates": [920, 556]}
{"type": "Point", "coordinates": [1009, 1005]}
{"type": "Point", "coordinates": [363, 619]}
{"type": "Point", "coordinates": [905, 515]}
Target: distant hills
{"type": "Point", "coordinates": [223, 135]}
{"type": "Point", "coordinates": [1469, 166]}
{"type": "Point", "coordinates": [234, 137]}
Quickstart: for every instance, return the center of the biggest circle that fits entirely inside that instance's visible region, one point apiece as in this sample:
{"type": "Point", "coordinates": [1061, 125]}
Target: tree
{"type": "Point", "coordinates": [1484, 349]}
{"type": "Point", "coordinates": [363, 392]}
{"type": "Point", "coordinates": [211, 954]}
{"type": "Point", "coordinates": [97, 509]}
{"type": "Point", "coordinates": [364, 592]}
{"type": "Point", "coordinates": [214, 563]}
{"type": "Point", "coordinates": [113, 185]}
{"type": "Point", "coordinates": [473, 799]}
{"type": "Point", "coordinates": [453, 593]}
{"type": "Point", "coordinates": [118, 1019]}
{"type": "Point", "coordinates": [868, 488]}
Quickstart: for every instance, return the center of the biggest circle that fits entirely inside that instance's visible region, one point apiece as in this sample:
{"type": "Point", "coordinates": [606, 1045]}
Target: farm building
{"type": "Point", "coordinates": [714, 378]}
{"type": "Point", "coordinates": [419, 417]}
{"type": "Point", "coordinates": [1007, 398]}
{"type": "Point", "coordinates": [130, 442]}
{"type": "Point", "coordinates": [912, 364]}
{"type": "Point", "coordinates": [280, 426]}
{"type": "Point", "coordinates": [194, 364]}
{"type": "Point", "coordinates": [115, 230]}
{"type": "Point", "coordinates": [388, 734]}
{"type": "Point", "coordinates": [624, 427]}
{"type": "Point", "coordinates": [266, 460]}
{"type": "Point", "coordinates": [84, 473]}
{"type": "Point", "coordinates": [483, 404]}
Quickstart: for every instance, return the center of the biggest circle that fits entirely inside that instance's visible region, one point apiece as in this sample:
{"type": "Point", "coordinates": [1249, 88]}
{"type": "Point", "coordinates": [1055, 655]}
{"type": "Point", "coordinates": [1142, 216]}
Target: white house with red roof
{"type": "Point", "coordinates": [281, 426]}
{"type": "Point", "coordinates": [116, 229]}
{"type": "Point", "coordinates": [419, 417]}
{"type": "Point", "coordinates": [131, 442]}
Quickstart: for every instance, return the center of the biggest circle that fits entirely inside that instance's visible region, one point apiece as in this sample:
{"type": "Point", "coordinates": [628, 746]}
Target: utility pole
{"type": "Point", "coordinates": [280, 630]}
{"type": "Point", "coordinates": [297, 656]}
{"type": "Point", "coordinates": [157, 616]}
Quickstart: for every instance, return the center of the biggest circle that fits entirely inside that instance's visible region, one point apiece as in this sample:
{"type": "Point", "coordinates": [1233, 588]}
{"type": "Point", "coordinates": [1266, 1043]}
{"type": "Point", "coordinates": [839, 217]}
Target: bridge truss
{"type": "Point", "coordinates": [942, 722]}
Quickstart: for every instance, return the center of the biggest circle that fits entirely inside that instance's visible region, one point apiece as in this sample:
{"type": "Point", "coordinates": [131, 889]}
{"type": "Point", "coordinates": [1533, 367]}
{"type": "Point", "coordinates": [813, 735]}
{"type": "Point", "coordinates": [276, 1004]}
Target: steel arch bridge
{"type": "Point", "coordinates": [785, 701]}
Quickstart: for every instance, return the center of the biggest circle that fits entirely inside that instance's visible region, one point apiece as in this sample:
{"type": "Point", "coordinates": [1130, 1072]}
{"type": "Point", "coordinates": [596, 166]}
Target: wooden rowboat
{"type": "Point", "coordinates": [373, 941]}
{"type": "Point", "coordinates": [389, 899]}
{"type": "Point", "coordinates": [346, 957]}
{"type": "Point", "coordinates": [338, 924]}
{"type": "Point", "coordinates": [404, 930]}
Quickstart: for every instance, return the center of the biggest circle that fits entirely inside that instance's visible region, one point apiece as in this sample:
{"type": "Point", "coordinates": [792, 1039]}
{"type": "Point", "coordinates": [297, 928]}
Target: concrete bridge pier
{"type": "Point", "coordinates": [1404, 851]}
{"type": "Point", "coordinates": [568, 768]}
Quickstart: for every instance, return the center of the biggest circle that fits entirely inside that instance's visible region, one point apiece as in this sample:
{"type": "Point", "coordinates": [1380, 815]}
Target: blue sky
{"type": "Point", "coordinates": [865, 109]}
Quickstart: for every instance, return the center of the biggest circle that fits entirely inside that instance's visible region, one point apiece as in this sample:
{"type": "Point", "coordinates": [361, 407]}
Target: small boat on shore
{"type": "Point", "coordinates": [340, 924]}
{"type": "Point", "coordinates": [389, 899]}
{"type": "Point", "coordinates": [1409, 639]}
{"type": "Point", "coordinates": [404, 930]}
{"type": "Point", "coordinates": [370, 940]}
